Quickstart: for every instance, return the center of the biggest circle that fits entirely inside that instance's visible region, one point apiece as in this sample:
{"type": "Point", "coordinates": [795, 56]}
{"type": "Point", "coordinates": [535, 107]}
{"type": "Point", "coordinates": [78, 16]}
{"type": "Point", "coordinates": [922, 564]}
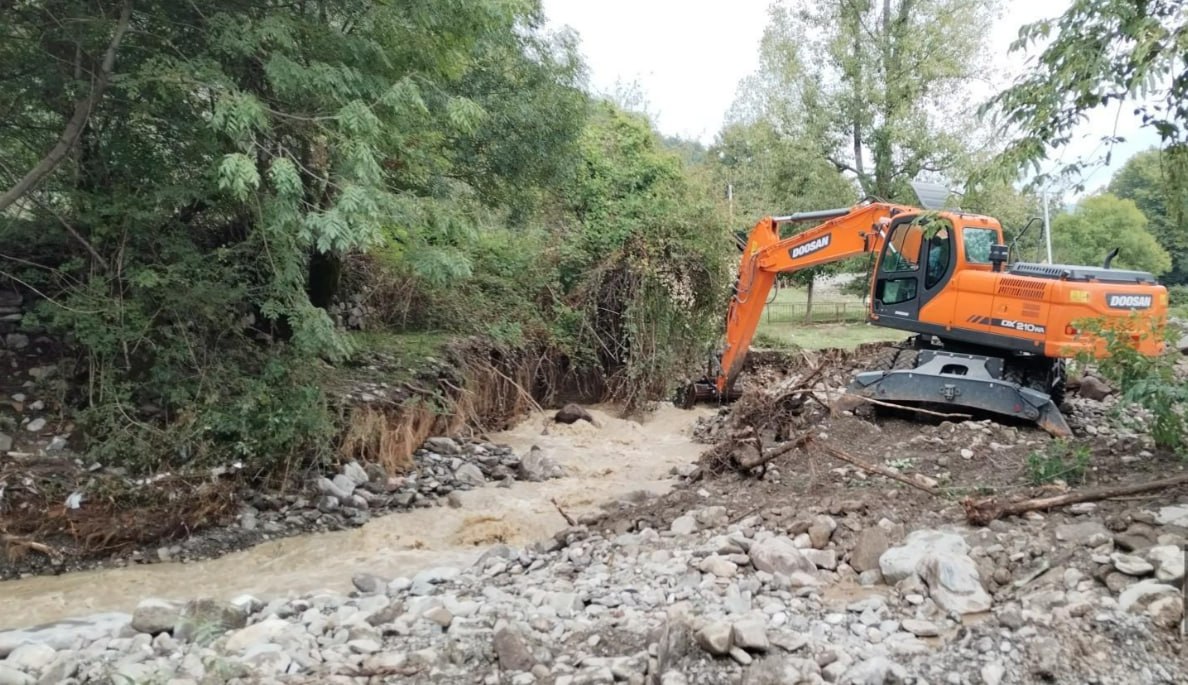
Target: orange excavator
{"type": "Point", "coordinates": [987, 335]}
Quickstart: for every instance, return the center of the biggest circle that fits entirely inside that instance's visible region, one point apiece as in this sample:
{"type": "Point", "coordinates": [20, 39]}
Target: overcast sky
{"type": "Point", "coordinates": [687, 56]}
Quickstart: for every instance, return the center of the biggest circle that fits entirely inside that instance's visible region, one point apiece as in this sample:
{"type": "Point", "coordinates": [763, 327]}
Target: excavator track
{"type": "Point", "coordinates": [954, 381]}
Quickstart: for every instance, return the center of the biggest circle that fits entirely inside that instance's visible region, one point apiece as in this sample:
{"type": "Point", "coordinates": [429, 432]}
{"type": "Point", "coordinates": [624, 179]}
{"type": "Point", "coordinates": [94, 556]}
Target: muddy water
{"type": "Point", "coordinates": [604, 462]}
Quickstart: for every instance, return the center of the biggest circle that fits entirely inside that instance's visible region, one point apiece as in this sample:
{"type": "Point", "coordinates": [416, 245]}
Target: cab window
{"type": "Point", "coordinates": [940, 250]}
{"type": "Point", "coordinates": [977, 244]}
{"type": "Point", "coordinates": [903, 250]}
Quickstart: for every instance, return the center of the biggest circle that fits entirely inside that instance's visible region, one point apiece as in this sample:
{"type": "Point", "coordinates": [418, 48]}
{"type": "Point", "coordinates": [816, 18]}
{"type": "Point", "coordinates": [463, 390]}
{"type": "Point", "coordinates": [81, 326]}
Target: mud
{"type": "Point", "coordinates": [614, 459]}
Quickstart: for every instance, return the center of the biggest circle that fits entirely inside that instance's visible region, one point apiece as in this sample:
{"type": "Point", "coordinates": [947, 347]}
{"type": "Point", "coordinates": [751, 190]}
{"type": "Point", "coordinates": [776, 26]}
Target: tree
{"type": "Point", "coordinates": [1098, 225]}
{"type": "Point", "coordinates": [1147, 180]}
{"type": "Point", "coordinates": [1099, 53]}
{"type": "Point", "coordinates": [877, 85]}
{"type": "Point", "coordinates": [769, 173]}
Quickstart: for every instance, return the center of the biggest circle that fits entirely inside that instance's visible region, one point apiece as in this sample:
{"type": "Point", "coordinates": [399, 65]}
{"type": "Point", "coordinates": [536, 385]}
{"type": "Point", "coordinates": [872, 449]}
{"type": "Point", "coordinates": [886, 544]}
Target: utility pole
{"type": "Point", "coordinates": [1047, 227]}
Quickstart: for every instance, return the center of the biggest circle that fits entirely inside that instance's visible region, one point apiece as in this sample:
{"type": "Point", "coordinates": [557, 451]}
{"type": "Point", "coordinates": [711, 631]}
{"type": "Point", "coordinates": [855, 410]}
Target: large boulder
{"type": "Point", "coordinates": [900, 562]}
{"type": "Point", "coordinates": [572, 413]}
{"type": "Point", "coordinates": [154, 615]}
{"type": "Point", "coordinates": [872, 542]}
{"type": "Point", "coordinates": [780, 555]}
{"type": "Point", "coordinates": [1094, 388]}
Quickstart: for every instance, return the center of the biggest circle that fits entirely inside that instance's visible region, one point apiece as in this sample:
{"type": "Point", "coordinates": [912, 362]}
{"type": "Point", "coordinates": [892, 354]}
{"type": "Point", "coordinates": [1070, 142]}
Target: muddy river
{"type": "Point", "coordinates": [604, 462]}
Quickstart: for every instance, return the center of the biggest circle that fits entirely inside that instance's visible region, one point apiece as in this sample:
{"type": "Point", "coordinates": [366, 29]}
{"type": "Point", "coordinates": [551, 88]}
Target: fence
{"type": "Point", "coordinates": [823, 312]}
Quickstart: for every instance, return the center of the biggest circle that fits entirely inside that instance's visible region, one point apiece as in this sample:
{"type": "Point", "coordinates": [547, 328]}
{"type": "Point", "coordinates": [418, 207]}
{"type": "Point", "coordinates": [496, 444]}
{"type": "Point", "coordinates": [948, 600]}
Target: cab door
{"type": "Point", "coordinates": [898, 281]}
{"type": "Point", "coordinates": [917, 262]}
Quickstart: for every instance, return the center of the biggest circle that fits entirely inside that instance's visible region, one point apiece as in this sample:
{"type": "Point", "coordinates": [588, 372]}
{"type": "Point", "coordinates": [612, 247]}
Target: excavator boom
{"type": "Point", "coordinates": [845, 233]}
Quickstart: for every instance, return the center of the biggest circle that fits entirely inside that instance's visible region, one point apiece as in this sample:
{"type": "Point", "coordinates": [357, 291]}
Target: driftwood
{"type": "Point", "coordinates": [842, 455]}
{"type": "Point", "coordinates": [982, 512]}
{"type": "Point", "coordinates": [764, 456]}
{"type": "Point", "coordinates": [568, 519]}
{"type": "Point", "coordinates": [15, 545]}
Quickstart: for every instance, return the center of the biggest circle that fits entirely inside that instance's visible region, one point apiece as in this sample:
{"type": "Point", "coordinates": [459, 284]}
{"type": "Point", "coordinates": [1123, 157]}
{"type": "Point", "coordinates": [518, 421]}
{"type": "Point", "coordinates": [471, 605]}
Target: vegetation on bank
{"type": "Point", "coordinates": [222, 205]}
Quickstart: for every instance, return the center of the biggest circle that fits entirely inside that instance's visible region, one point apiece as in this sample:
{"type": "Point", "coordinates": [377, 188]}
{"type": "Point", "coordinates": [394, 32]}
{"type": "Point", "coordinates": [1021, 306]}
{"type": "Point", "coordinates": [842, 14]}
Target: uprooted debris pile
{"type": "Point", "coordinates": [774, 597]}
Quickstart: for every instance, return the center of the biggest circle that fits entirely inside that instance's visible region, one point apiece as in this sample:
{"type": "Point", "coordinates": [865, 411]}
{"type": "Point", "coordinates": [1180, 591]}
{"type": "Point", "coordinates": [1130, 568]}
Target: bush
{"type": "Point", "coordinates": [1060, 461]}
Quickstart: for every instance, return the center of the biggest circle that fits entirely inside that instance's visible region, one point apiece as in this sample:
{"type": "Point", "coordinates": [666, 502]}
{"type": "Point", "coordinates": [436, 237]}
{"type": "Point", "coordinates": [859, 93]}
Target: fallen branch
{"type": "Point", "coordinates": [876, 469]}
{"type": "Point", "coordinates": [11, 541]}
{"type": "Point", "coordinates": [568, 519]}
{"type": "Point", "coordinates": [982, 512]}
{"type": "Point", "coordinates": [764, 456]}
{"type": "Point", "coordinates": [929, 412]}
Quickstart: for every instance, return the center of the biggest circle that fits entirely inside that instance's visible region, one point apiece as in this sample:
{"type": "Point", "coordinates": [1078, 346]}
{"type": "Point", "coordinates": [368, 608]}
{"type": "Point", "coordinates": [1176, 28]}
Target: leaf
{"type": "Point", "coordinates": [237, 174]}
{"type": "Point", "coordinates": [285, 180]}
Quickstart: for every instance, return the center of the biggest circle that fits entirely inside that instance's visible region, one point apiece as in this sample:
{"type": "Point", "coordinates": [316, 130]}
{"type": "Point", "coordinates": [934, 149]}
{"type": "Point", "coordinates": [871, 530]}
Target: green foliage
{"type": "Point", "coordinates": [1150, 382]}
{"type": "Point", "coordinates": [1151, 180]}
{"type": "Point", "coordinates": [1058, 461]}
{"type": "Point", "coordinates": [1098, 53]}
{"type": "Point", "coordinates": [1100, 223]}
{"type": "Point", "coordinates": [241, 153]}
{"type": "Point", "coordinates": [869, 86]}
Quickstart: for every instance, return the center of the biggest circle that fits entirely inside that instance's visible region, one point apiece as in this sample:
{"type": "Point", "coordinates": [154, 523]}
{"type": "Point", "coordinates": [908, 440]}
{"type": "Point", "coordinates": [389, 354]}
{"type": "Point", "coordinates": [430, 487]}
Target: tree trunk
{"type": "Point", "coordinates": [808, 302]}
{"type": "Point", "coordinates": [74, 127]}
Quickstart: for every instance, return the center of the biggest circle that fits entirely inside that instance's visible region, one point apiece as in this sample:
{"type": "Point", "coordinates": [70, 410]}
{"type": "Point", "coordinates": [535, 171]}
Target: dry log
{"type": "Point", "coordinates": [982, 512]}
{"type": "Point", "coordinates": [568, 519]}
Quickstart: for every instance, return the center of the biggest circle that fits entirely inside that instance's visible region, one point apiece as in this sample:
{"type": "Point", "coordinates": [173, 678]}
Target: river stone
{"type": "Point", "coordinates": [442, 445]}
{"type": "Point", "coordinates": [1081, 532]}
{"type": "Point", "coordinates": [871, 544]}
{"type": "Point", "coordinates": [572, 413]}
{"type": "Point", "coordinates": [1167, 612]}
{"type": "Point", "coordinates": [1173, 516]}
{"type": "Point", "coordinates": [356, 473]}
{"type": "Point", "coordinates": [1131, 565]}
{"type": "Point", "coordinates": [1094, 388]}
{"type": "Point", "coordinates": [11, 676]}
{"type": "Point", "coordinates": [779, 555]}
{"type": "Point", "coordinates": [715, 638]}
{"type": "Point", "coordinates": [154, 615]}
{"type": "Point", "coordinates": [369, 584]}
{"type": "Point", "coordinates": [920, 628]}
{"type": "Point", "coordinates": [202, 620]}
{"type": "Point", "coordinates": [35, 425]}
{"type": "Point", "coordinates": [260, 633]}
{"type": "Point", "coordinates": [718, 566]}
{"type": "Point", "coordinates": [874, 671]}
{"type": "Point", "coordinates": [953, 583]}
{"type": "Point", "coordinates": [1139, 595]}
{"type": "Point", "coordinates": [469, 474]}
{"type": "Point", "coordinates": [424, 582]}
{"type": "Point", "coordinates": [900, 562]}
{"type": "Point", "coordinates": [510, 649]}
{"type": "Point", "coordinates": [1169, 563]}
{"type": "Point", "coordinates": [821, 558]}
{"type": "Point", "coordinates": [64, 634]}
{"type": "Point", "coordinates": [684, 525]}
{"type": "Point", "coordinates": [268, 659]}
{"type": "Point", "coordinates": [331, 488]}
{"type": "Point", "coordinates": [750, 634]}
{"type": "Point", "coordinates": [5, 442]}
{"type": "Point", "coordinates": [536, 466]}
{"type": "Point", "coordinates": [31, 658]}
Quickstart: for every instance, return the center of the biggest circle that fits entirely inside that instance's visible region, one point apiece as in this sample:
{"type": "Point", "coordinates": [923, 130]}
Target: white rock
{"type": "Point", "coordinates": [1140, 594]}
{"type": "Point", "coordinates": [1131, 565]}
{"type": "Point", "coordinates": [269, 659]}
{"type": "Point", "coordinates": [900, 562]}
{"type": "Point", "coordinates": [154, 615]}
{"type": "Point", "coordinates": [35, 425]}
{"type": "Point", "coordinates": [469, 474]}
{"type": "Point", "coordinates": [779, 555]}
{"type": "Point", "coordinates": [31, 657]}
{"type": "Point", "coordinates": [684, 525]}
{"type": "Point", "coordinates": [1168, 561]}
{"type": "Point", "coordinates": [822, 558]}
{"type": "Point", "coordinates": [993, 673]}
{"type": "Point", "coordinates": [11, 676]}
{"type": "Point", "coordinates": [953, 583]}
{"type": "Point", "coordinates": [355, 472]}
{"type": "Point", "coordinates": [718, 566]}
{"type": "Point", "coordinates": [65, 634]}
{"type": "Point", "coordinates": [715, 638]}
{"type": "Point", "coordinates": [1173, 516]}
{"type": "Point", "coordinates": [256, 634]}
{"type": "Point", "coordinates": [920, 628]}
{"type": "Point", "coordinates": [750, 634]}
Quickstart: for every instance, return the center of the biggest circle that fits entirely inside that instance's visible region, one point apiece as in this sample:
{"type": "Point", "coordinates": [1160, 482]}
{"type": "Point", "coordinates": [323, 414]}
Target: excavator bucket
{"type": "Point", "coordinates": [951, 382]}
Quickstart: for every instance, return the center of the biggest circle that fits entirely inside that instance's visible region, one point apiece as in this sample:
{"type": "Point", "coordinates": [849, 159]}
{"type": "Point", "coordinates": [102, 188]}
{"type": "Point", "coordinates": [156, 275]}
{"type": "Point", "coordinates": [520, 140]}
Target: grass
{"type": "Point", "coordinates": [820, 336]}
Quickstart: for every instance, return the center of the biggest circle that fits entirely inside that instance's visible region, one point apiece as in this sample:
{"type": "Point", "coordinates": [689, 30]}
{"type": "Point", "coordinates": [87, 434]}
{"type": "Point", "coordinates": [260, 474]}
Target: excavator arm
{"type": "Point", "coordinates": [844, 233]}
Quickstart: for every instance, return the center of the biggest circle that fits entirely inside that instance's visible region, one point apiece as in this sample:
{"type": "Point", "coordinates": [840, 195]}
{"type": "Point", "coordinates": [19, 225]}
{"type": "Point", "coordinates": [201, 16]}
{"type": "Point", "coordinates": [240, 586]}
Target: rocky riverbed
{"type": "Point", "coordinates": [710, 599]}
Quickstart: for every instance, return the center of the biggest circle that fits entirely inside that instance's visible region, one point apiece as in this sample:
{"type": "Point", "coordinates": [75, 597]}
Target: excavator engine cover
{"type": "Point", "coordinates": [970, 381]}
